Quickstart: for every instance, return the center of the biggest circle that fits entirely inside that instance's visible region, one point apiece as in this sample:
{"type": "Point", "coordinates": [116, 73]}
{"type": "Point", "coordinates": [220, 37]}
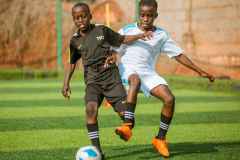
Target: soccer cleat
{"type": "Point", "coordinates": [124, 131]}
{"type": "Point", "coordinates": [106, 104]}
{"type": "Point", "coordinates": [161, 146]}
{"type": "Point", "coordinates": [121, 115]}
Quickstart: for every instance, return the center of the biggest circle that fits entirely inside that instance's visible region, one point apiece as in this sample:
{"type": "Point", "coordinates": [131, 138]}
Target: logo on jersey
{"type": "Point", "coordinates": [99, 38]}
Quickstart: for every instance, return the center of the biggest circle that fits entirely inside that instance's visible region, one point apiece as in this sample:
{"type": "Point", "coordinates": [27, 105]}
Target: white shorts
{"type": "Point", "coordinates": [148, 76]}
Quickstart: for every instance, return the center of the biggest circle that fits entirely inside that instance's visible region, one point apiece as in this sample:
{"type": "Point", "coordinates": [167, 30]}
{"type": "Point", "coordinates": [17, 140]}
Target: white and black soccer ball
{"type": "Point", "coordinates": [88, 153]}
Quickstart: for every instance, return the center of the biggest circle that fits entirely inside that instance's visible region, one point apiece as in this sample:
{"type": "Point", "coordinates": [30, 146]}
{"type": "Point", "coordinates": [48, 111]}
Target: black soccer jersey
{"type": "Point", "coordinates": [94, 49]}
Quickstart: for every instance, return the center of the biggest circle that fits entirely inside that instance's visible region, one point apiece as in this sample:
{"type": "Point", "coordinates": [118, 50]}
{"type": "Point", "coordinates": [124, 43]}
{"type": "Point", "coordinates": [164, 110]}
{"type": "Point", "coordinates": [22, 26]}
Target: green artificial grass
{"type": "Point", "coordinates": [36, 123]}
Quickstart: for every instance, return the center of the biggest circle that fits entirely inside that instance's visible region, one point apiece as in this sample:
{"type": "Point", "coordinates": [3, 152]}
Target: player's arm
{"type": "Point", "coordinates": [66, 90]}
{"type": "Point", "coordinates": [173, 51]}
{"type": "Point", "coordinates": [131, 38]}
{"type": "Point", "coordinates": [74, 56]}
{"type": "Point", "coordinates": [115, 39]}
{"type": "Point", "coordinates": [188, 63]}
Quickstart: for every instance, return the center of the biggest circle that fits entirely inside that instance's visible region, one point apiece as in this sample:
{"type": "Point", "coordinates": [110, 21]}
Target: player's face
{"type": "Point", "coordinates": [147, 16]}
{"type": "Point", "coordinates": [81, 17]}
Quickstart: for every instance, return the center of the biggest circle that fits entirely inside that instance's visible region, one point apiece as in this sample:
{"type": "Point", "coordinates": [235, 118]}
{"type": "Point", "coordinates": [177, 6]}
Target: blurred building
{"type": "Point", "coordinates": [208, 31]}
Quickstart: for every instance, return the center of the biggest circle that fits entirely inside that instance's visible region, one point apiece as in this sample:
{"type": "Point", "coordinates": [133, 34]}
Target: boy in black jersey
{"type": "Point", "coordinates": [92, 44]}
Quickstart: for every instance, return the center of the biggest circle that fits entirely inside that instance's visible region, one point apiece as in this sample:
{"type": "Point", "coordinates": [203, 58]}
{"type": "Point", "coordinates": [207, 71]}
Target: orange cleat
{"type": "Point", "coordinates": [161, 146]}
{"type": "Point", "coordinates": [124, 131]}
{"type": "Point", "coordinates": [106, 104]}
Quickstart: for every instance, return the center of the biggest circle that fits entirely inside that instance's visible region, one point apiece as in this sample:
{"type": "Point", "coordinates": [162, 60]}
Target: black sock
{"type": "Point", "coordinates": [164, 125]}
{"type": "Point", "coordinates": [129, 114]}
{"type": "Point", "coordinates": [93, 135]}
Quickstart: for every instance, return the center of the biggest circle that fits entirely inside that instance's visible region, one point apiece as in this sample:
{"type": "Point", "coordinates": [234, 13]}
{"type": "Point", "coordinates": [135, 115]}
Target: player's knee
{"type": "Point", "coordinates": [91, 112]}
{"type": "Point", "coordinates": [170, 100]}
{"type": "Point", "coordinates": [135, 81]}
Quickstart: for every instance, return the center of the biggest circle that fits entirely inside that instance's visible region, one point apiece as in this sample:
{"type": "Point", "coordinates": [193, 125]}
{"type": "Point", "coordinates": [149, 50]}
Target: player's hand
{"type": "Point", "coordinates": [111, 59]}
{"type": "Point", "coordinates": [147, 35]}
{"type": "Point", "coordinates": [66, 91]}
{"type": "Point", "coordinates": [210, 77]}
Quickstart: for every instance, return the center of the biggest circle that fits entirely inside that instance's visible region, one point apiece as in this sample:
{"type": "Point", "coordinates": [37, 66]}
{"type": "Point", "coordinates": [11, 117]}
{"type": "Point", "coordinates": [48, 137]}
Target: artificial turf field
{"type": "Point", "coordinates": [36, 123]}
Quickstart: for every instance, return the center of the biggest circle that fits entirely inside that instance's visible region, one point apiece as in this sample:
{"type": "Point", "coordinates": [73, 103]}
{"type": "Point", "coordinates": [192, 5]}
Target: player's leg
{"type": "Point", "coordinates": [157, 86]}
{"type": "Point", "coordinates": [134, 86]}
{"type": "Point", "coordinates": [93, 99]}
{"type": "Point", "coordinates": [163, 93]}
{"type": "Point", "coordinates": [129, 75]}
{"type": "Point", "coordinates": [116, 95]}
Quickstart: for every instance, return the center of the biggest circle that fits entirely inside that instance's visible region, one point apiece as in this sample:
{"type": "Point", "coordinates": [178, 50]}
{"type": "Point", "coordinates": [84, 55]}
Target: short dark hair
{"type": "Point", "coordinates": [148, 3]}
{"type": "Point", "coordinates": [81, 4]}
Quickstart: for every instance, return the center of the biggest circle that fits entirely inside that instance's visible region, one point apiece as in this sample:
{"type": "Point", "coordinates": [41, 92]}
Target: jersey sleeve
{"type": "Point", "coordinates": [121, 31]}
{"type": "Point", "coordinates": [74, 56]}
{"type": "Point", "coordinates": [171, 48]}
{"type": "Point", "coordinates": [120, 49]}
{"type": "Point", "coordinates": [113, 38]}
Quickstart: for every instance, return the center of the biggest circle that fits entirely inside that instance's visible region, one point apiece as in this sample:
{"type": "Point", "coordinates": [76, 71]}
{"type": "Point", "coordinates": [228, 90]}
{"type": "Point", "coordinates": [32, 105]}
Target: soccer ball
{"type": "Point", "coordinates": [88, 153]}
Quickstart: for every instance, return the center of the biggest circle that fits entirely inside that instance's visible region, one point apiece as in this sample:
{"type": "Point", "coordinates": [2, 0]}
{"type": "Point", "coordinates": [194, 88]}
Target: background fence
{"type": "Point", "coordinates": [208, 31]}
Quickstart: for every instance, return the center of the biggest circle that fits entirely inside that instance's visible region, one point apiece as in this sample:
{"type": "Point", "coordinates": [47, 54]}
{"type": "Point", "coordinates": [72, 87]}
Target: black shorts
{"type": "Point", "coordinates": [115, 94]}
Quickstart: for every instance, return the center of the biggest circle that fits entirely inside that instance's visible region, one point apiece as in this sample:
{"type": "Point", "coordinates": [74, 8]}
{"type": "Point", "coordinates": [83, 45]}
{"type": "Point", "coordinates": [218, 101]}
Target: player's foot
{"type": "Point", "coordinates": [124, 131]}
{"type": "Point", "coordinates": [121, 115]}
{"type": "Point", "coordinates": [161, 146]}
{"type": "Point", "coordinates": [106, 104]}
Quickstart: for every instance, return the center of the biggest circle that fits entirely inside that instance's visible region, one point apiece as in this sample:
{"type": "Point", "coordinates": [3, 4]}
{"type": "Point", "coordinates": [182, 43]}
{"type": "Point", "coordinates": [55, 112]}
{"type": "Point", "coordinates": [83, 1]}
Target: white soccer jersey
{"type": "Point", "coordinates": [140, 56]}
{"type": "Point", "coordinates": [143, 53]}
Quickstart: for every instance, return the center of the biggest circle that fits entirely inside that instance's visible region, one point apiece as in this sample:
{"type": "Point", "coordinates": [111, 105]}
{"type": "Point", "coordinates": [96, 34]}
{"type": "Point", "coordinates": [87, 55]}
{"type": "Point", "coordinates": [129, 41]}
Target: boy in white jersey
{"type": "Point", "coordinates": [137, 67]}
